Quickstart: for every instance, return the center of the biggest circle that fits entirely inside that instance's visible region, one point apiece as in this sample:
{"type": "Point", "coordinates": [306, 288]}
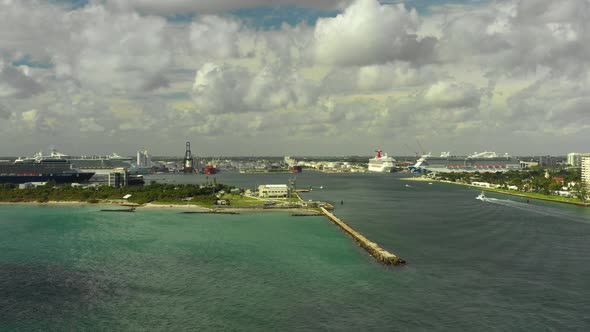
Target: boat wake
{"type": "Point", "coordinates": [542, 210]}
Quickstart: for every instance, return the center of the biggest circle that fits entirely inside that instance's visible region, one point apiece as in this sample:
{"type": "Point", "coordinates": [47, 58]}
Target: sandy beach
{"type": "Point", "coordinates": [417, 178]}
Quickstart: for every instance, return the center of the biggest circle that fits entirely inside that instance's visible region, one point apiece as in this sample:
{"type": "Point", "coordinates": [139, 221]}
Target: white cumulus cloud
{"type": "Point", "coordinates": [368, 33]}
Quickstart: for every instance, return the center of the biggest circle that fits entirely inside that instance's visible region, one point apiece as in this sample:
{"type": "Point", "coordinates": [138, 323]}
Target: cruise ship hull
{"type": "Point", "coordinates": [58, 178]}
{"type": "Point", "coordinates": [427, 169]}
{"type": "Point", "coordinates": [381, 169]}
{"type": "Point", "coordinates": [381, 163]}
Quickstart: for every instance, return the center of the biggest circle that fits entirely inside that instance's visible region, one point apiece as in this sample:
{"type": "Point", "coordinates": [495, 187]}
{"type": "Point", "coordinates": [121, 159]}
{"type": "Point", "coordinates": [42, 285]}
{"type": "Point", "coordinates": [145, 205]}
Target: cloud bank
{"type": "Point", "coordinates": [117, 75]}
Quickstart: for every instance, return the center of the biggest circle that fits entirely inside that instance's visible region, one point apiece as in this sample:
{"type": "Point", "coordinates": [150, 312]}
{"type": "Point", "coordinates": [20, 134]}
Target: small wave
{"type": "Point", "coordinates": [543, 210]}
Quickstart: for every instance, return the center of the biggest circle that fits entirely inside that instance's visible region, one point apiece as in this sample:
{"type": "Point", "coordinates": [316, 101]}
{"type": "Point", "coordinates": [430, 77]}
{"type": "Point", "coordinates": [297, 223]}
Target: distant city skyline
{"type": "Point", "coordinates": [294, 77]}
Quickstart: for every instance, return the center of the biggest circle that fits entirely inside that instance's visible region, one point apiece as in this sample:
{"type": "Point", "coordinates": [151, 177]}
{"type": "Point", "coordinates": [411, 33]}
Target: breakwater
{"type": "Point", "coordinates": [372, 248]}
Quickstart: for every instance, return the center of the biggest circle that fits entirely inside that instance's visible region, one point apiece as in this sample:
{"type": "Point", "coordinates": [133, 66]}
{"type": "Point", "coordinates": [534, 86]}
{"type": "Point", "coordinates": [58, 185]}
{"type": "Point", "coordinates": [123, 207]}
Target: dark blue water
{"type": "Point", "coordinates": [472, 265]}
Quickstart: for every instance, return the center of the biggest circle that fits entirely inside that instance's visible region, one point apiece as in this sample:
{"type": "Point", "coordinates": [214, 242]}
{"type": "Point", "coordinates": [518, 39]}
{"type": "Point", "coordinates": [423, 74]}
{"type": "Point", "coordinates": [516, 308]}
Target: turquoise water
{"type": "Point", "coordinates": [472, 266]}
{"type": "Point", "coordinates": [78, 268]}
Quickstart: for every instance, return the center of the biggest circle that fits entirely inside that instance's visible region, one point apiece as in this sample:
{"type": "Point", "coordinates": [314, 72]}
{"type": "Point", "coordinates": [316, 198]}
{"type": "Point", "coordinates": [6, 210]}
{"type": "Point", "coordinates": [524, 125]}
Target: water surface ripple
{"type": "Point", "coordinates": [472, 266]}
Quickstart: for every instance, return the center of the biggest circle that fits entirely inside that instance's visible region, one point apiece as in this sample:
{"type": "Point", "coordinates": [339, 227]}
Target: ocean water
{"type": "Point", "coordinates": [472, 266]}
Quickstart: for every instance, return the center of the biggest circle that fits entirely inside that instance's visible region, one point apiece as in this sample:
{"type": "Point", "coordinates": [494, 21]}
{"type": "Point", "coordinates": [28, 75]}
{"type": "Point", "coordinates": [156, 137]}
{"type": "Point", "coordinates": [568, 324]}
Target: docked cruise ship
{"type": "Point", "coordinates": [41, 169]}
{"type": "Point", "coordinates": [101, 164]}
{"type": "Point", "coordinates": [478, 162]}
{"type": "Point", "coordinates": [381, 163]}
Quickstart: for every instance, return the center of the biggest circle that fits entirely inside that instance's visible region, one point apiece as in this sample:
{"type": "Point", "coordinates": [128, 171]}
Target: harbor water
{"type": "Point", "coordinates": [502, 265]}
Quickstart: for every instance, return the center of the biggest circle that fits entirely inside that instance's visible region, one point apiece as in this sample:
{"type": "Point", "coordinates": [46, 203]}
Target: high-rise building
{"type": "Point", "coordinates": [546, 161]}
{"type": "Point", "coordinates": [143, 158]}
{"type": "Point", "coordinates": [586, 171]}
{"type": "Point", "coordinates": [575, 158]}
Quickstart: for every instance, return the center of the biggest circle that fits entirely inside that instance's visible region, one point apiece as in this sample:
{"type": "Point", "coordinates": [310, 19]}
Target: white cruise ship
{"type": "Point", "coordinates": [381, 163]}
{"type": "Point", "coordinates": [478, 162]}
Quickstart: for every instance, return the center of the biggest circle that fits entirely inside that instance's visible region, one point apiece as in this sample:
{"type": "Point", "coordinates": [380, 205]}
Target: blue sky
{"type": "Point", "coordinates": [270, 17]}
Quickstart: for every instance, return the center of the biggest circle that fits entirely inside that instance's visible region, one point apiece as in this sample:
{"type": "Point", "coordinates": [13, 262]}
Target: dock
{"type": "Point", "coordinates": [118, 210]}
{"type": "Point", "coordinates": [372, 248]}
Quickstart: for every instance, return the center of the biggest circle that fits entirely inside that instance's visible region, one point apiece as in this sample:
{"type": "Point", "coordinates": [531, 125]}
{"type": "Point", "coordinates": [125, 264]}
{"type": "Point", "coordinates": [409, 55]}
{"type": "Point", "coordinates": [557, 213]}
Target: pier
{"type": "Point", "coordinates": [119, 210]}
{"type": "Point", "coordinates": [372, 248]}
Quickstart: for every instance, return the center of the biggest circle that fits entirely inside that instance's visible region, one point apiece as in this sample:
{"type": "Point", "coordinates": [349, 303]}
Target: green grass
{"type": "Point", "coordinates": [242, 201]}
{"type": "Point", "coordinates": [535, 195]}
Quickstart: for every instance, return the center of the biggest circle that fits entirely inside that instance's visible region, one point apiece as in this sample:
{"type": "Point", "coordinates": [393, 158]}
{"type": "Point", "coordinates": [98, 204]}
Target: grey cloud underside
{"type": "Point", "coordinates": [15, 83]}
{"type": "Point", "coordinates": [4, 112]}
{"type": "Point", "coordinates": [523, 37]}
{"type": "Point", "coordinates": [117, 71]}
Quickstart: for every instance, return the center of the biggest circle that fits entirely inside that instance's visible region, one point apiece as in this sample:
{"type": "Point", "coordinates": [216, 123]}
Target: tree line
{"type": "Point", "coordinates": [140, 195]}
{"type": "Point", "coordinates": [532, 180]}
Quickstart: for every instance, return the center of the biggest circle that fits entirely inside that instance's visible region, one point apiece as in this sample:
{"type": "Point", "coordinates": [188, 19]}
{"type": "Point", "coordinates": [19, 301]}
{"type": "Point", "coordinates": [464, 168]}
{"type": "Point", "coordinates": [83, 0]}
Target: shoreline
{"type": "Point", "coordinates": [500, 191]}
{"type": "Point", "coordinates": [416, 178]}
{"type": "Point", "coordinates": [152, 206]}
{"type": "Point", "coordinates": [65, 203]}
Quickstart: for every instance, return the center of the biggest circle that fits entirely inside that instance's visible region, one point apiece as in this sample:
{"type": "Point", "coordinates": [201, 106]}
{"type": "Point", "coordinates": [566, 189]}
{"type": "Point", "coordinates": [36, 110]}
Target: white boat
{"type": "Point", "coordinates": [381, 163]}
{"type": "Point", "coordinates": [482, 197]}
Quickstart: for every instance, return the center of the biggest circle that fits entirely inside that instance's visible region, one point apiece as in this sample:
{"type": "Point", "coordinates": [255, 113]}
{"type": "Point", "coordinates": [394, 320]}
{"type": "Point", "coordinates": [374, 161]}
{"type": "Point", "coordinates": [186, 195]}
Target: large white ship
{"type": "Point", "coordinates": [381, 163]}
{"type": "Point", "coordinates": [478, 162]}
{"type": "Point", "coordinates": [96, 163]}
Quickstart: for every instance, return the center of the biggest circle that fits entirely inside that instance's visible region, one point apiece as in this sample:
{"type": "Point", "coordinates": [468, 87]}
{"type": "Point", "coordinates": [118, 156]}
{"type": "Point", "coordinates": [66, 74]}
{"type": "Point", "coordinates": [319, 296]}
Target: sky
{"type": "Point", "coordinates": [294, 77]}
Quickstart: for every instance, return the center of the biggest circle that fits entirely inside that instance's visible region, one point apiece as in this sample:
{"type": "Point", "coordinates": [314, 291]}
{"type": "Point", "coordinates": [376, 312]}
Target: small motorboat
{"type": "Point", "coordinates": [482, 197]}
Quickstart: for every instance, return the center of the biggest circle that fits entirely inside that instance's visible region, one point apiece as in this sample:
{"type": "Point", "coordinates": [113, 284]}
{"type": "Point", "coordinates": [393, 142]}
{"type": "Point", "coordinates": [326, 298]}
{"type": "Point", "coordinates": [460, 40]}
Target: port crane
{"type": "Point", "coordinates": [188, 160]}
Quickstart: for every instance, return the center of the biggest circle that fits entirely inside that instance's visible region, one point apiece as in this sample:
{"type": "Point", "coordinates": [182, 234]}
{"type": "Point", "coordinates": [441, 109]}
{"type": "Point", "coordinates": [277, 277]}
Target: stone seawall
{"type": "Point", "coordinates": [372, 248]}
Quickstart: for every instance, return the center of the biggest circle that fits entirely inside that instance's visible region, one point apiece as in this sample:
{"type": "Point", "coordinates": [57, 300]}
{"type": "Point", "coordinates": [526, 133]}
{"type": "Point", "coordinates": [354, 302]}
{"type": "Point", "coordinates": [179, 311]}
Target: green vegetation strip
{"type": "Point", "coordinates": [559, 199]}
{"type": "Point", "coordinates": [154, 193]}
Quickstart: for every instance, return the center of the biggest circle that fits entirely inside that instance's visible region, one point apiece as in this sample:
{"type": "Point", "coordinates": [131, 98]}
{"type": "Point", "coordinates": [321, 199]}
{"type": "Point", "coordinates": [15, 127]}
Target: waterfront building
{"type": "Point", "coordinates": [528, 164]}
{"type": "Point", "coordinates": [548, 161]}
{"type": "Point", "coordinates": [585, 163]}
{"type": "Point", "coordinates": [119, 177]}
{"type": "Point", "coordinates": [143, 159]}
{"type": "Point", "coordinates": [575, 158]}
{"type": "Point", "coordinates": [290, 161]}
{"type": "Point", "coordinates": [274, 191]}
{"type": "Point", "coordinates": [28, 185]}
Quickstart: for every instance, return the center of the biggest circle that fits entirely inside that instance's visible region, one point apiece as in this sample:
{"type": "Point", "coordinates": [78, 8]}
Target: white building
{"type": "Point", "coordinates": [119, 177]}
{"type": "Point", "coordinates": [290, 161]}
{"type": "Point", "coordinates": [274, 190]}
{"type": "Point", "coordinates": [528, 164]}
{"type": "Point", "coordinates": [28, 185]}
{"type": "Point", "coordinates": [575, 158]}
{"type": "Point", "coordinates": [143, 158]}
{"type": "Point", "coordinates": [586, 171]}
